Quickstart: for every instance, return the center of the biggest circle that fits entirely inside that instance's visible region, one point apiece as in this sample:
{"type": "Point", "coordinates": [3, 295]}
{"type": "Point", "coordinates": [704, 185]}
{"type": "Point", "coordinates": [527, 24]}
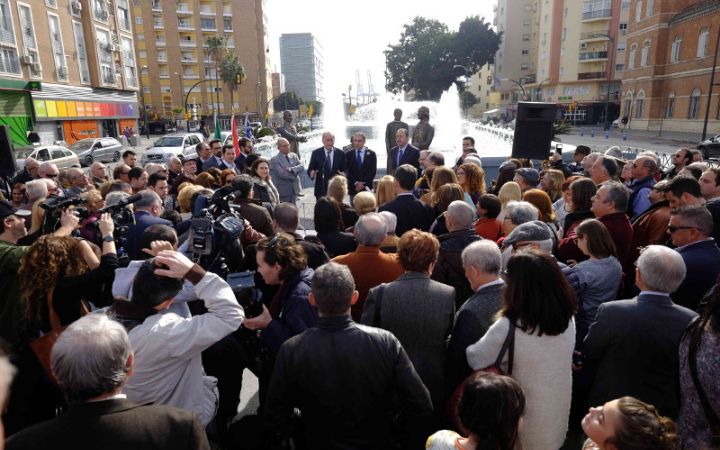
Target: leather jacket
{"type": "Point", "coordinates": [349, 381]}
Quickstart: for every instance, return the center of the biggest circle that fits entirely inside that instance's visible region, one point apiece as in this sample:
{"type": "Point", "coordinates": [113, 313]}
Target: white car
{"type": "Point", "coordinates": [60, 156]}
{"type": "Point", "coordinates": [181, 145]}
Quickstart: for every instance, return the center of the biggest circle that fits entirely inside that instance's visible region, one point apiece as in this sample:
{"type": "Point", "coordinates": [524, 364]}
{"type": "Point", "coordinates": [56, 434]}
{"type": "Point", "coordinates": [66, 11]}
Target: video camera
{"type": "Point", "coordinates": [54, 207]}
{"type": "Point", "coordinates": [122, 217]}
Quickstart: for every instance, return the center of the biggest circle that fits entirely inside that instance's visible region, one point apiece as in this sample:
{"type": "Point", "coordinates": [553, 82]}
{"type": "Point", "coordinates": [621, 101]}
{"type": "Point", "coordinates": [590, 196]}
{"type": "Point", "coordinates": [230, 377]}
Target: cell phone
{"type": "Point", "coordinates": [558, 149]}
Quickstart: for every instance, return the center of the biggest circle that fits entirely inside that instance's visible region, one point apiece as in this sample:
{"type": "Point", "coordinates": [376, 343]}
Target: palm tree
{"type": "Point", "coordinates": [217, 48]}
{"type": "Point", "coordinates": [230, 69]}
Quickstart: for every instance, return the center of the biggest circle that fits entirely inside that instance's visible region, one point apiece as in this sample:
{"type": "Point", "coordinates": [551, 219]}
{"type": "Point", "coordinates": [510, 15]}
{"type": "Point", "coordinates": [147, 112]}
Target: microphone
{"type": "Point", "coordinates": [132, 199]}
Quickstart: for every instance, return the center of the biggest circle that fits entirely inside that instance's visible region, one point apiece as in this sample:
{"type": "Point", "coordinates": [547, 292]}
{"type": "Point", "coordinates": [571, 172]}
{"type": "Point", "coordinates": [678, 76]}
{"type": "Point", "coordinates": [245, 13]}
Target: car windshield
{"type": "Point", "coordinates": [168, 141]}
{"type": "Point", "coordinates": [23, 153]}
{"type": "Point", "coordinates": [82, 145]}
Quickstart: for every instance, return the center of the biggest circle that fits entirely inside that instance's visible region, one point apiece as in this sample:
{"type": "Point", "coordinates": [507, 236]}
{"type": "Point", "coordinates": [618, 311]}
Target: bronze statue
{"type": "Point", "coordinates": [424, 132]}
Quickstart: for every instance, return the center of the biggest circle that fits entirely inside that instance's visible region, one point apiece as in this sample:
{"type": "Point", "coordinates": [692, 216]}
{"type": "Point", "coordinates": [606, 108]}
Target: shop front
{"type": "Point", "coordinates": [16, 109]}
{"type": "Point", "coordinates": [69, 113]}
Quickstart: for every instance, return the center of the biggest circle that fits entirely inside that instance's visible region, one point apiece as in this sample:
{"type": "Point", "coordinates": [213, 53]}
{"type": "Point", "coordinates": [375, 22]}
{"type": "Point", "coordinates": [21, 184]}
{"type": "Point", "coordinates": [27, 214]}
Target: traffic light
{"type": "Point", "coordinates": [239, 78]}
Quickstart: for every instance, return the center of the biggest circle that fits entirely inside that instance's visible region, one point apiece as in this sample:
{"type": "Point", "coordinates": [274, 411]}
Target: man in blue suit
{"type": "Point", "coordinates": [690, 229]}
{"type": "Point", "coordinates": [635, 342]}
{"type": "Point", "coordinates": [361, 165]}
{"type": "Point", "coordinates": [411, 212]}
{"type": "Point", "coordinates": [404, 153]}
{"type": "Point", "coordinates": [326, 162]}
{"type": "Point", "coordinates": [147, 212]}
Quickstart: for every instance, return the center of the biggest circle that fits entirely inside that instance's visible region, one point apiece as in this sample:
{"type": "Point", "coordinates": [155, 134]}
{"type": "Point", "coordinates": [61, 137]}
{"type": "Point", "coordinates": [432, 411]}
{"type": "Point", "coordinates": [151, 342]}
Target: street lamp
{"type": "Point", "coordinates": [182, 89]}
{"type": "Point", "coordinates": [710, 90]}
{"type": "Point", "coordinates": [145, 106]}
{"type": "Point", "coordinates": [539, 89]}
{"type": "Point", "coordinates": [467, 83]}
{"type": "Point", "coordinates": [518, 85]}
{"type": "Point", "coordinates": [609, 79]}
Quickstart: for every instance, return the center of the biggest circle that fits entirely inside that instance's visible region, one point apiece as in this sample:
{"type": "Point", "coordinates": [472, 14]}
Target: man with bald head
{"type": "Point", "coordinates": [285, 168]}
{"type": "Point", "coordinates": [326, 162]}
{"type": "Point", "coordinates": [643, 179]}
{"type": "Point", "coordinates": [78, 182]}
{"type": "Point", "coordinates": [29, 172]}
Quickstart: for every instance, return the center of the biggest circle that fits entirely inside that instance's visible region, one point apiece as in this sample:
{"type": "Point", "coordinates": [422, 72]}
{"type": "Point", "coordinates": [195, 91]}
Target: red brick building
{"type": "Point", "coordinates": [668, 63]}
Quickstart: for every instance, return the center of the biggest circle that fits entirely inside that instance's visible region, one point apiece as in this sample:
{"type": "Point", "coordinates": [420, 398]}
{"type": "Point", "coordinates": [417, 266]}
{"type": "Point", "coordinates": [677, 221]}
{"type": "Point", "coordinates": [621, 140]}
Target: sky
{"type": "Point", "coordinates": [355, 34]}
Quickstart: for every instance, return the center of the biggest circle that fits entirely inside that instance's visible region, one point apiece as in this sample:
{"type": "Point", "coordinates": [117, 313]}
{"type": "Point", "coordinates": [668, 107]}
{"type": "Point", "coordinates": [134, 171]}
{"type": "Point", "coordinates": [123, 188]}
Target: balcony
{"type": "Point", "coordinates": [184, 43]}
{"type": "Point", "coordinates": [595, 36]}
{"type": "Point", "coordinates": [593, 56]}
{"type": "Point", "coordinates": [158, 25]}
{"type": "Point", "coordinates": [207, 12]}
{"type": "Point", "coordinates": [185, 27]}
{"type": "Point", "coordinates": [191, 60]}
{"type": "Point", "coordinates": [156, 6]}
{"type": "Point", "coordinates": [602, 14]}
{"type": "Point", "coordinates": [591, 75]}
{"type": "Point", "coordinates": [160, 43]}
{"type": "Point", "coordinates": [164, 75]}
{"type": "Point", "coordinates": [183, 10]}
{"type": "Point", "coordinates": [227, 11]}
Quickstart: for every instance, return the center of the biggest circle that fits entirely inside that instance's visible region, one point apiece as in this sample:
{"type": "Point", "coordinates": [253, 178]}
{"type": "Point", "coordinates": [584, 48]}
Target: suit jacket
{"type": "Point", "coordinates": [391, 131]}
{"type": "Point", "coordinates": [257, 215]}
{"type": "Point", "coordinates": [635, 343]}
{"type": "Point", "coordinates": [115, 424]}
{"type": "Point", "coordinates": [209, 164]}
{"type": "Point", "coordinates": [420, 312]}
{"type": "Point", "coordinates": [411, 213]}
{"type": "Point", "coordinates": [143, 220]}
{"type": "Point", "coordinates": [702, 261]}
{"type": "Point", "coordinates": [364, 174]}
{"type": "Point", "coordinates": [369, 267]}
{"type": "Point", "coordinates": [317, 163]}
{"type": "Point", "coordinates": [285, 172]}
{"type": "Point", "coordinates": [650, 228]}
{"type": "Point", "coordinates": [410, 156]}
{"type": "Point", "coordinates": [236, 169]}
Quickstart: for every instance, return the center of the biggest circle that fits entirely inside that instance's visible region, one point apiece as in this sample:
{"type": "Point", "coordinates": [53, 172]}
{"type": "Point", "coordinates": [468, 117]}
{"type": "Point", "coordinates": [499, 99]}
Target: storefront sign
{"type": "Point", "coordinates": [64, 109]}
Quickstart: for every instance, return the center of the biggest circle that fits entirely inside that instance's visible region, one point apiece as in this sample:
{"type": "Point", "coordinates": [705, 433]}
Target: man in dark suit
{"type": "Point", "coordinates": [204, 155]}
{"type": "Point", "coordinates": [411, 212]}
{"type": "Point", "coordinates": [92, 359]}
{"type": "Point", "coordinates": [390, 133]}
{"type": "Point", "coordinates": [635, 342]}
{"type": "Point", "coordinates": [215, 158]}
{"type": "Point", "coordinates": [326, 162]}
{"type": "Point", "coordinates": [361, 165]}
{"type": "Point", "coordinates": [147, 212]}
{"type": "Point", "coordinates": [246, 148]}
{"type": "Point", "coordinates": [690, 228]}
{"type": "Point", "coordinates": [403, 153]}
{"type": "Point", "coordinates": [286, 219]}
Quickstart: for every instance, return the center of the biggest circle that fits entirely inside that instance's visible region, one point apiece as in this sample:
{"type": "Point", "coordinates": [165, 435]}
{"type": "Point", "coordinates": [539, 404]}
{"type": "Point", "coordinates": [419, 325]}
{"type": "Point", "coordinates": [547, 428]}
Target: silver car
{"type": "Point", "coordinates": [105, 149]}
{"type": "Point", "coordinates": [60, 156]}
{"type": "Point", "coordinates": [181, 145]}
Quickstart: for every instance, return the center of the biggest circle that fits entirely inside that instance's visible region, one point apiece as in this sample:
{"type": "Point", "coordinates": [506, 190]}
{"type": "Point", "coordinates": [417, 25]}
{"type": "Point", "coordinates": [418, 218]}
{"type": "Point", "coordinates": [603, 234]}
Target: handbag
{"type": "Point", "coordinates": [710, 414]}
{"type": "Point", "coordinates": [454, 400]}
{"type": "Point", "coordinates": [42, 346]}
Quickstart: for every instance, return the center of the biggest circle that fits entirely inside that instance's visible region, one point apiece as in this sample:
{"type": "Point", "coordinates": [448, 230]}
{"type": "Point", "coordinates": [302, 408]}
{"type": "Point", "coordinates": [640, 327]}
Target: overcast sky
{"type": "Point", "coordinates": [354, 34]}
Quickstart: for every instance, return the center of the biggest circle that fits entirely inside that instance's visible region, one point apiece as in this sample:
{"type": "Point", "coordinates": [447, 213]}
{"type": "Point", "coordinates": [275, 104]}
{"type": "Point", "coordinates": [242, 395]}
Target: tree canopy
{"type": "Point", "coordinates": [287, 100]}
{"type": "Point", "coordinates": [425, 58]}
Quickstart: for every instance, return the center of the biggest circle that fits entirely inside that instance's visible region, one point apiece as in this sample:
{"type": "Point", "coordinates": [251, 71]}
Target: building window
{"type": "Point", "coordinates": [123, 15]}
{"type": "Point", "coordinates": [81, 52]}
{"type": "Point", "coordinates": [208, 24]}
{"type": "Point", "coordinates": [703, 42]}
{"type": "Point", "coordinates": [128, 59]}
{"type": "Point", "coordinates": [525, 51]}
{"type": "Point", "coordinates": [564, 33]}
{"type": "Point", "coordinates": [227, 24]}
{"type": "Point", "coordinates": [675, 50]}
{"type": "Point", "coordinates": [631, 56]}
{"type": "Point", "coordinates": [623, 29]}
{"type": "Point", "coordinates": [524, 67]}
{"type": "Point", "coordinates": [9, 62]}
{"type": "Point", "coordinates": [694, 104]}
{"type": "Point", "coordinates": [621, 47]}
{"type": "Point", "coordinates": [138, 20]}
{"type": "Point", "coordinates": [57, 47]}
{"type": "Point", "coordinates": [628, 104]}
{"type": "Point", "coordinates": [526, 23]}
{"type": "Point", "coordinates": [31, 57]}
{"type": "Point", "coordinates": [670, 106]}
{"type": "Point", "coordinates": [639, 105]}
{"type": "Point", "coordinates": [619, 67]}
{"type": "Point", "coordinates": [51, 3]}
{"type": "Point", "coordinates": [525, 37]}
{"type": "Point", "coordinates": [645, 54]}
{"type": "Point", "coordinates": [99, 10]}
{"type": "Point", "coordinates": [638, 11]}
{"type": "Point", "coordinates": [649, 9]}
{"type": "Point", "coordinates": [105, 50]}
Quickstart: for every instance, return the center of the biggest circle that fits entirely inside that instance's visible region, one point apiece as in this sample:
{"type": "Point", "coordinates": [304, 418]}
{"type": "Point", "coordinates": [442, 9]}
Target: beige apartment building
{"type": "Point", "coordinates": [174, 59]}
{"type": "Point", "coordinates": [67, 69]}
{"type": "Point", "coordinates": [581, 51]}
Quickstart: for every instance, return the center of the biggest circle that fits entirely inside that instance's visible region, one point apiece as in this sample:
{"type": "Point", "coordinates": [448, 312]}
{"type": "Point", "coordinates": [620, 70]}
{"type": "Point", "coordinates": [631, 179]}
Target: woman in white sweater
{"type": "Point", "coordinates": [541, 304]}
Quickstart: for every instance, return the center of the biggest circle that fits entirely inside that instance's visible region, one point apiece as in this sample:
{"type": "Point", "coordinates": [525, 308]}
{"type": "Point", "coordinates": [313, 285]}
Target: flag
{"type": "Point", "coordinates": [217, 126]}
{"type": "Point", "coordinates": [248, 130]}
{"type": "Point", "coordinates": [233, 127]}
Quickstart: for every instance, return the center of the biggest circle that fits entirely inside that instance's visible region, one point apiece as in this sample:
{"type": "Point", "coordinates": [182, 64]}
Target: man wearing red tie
{"type": "Point", "coordinates": [326, 162]}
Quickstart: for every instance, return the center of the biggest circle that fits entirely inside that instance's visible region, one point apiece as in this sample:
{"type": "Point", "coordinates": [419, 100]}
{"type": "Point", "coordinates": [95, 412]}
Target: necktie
{"type": "Point", "coordinates": [359, 159]}
{"type": "Point", "coordinates": [400, 154]}
{"type": "Point", "coordinates": [288, 158]}
{"type": "Point", "coordinates": [328, 167]}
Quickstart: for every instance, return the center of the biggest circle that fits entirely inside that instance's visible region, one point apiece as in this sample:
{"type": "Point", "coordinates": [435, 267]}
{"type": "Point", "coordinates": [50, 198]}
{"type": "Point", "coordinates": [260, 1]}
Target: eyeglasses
{"type": "Point", "coordinates": [672, 228]}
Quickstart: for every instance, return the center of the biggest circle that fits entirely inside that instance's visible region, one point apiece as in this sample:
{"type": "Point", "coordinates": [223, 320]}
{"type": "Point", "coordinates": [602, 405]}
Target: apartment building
{"type": "Point", "coordinates": [581, 53]}
{"type": "Point", "coordinates": [671, 45]}
{"type": "Point", "coordinates": [175, 61]}
{"type": "Point", "coordinates": [67, 69]}
{"type": "Point", "coordinates": [301, 63]}
{"type": "Point", "coordinates": [516, 58]}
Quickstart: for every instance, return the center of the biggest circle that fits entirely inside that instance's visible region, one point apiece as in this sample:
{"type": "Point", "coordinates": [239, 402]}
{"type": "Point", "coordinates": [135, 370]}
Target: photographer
{"type": "Point", "coordinates": [55, 270]}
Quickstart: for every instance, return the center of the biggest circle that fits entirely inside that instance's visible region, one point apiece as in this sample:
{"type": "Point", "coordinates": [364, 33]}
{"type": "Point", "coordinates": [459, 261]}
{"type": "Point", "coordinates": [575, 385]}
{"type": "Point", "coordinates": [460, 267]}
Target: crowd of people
{"type": "Point", "coordinates": [431, 308]}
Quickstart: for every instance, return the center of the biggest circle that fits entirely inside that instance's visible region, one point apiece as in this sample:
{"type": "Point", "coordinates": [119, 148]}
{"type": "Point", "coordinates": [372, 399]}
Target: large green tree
{"type": "Point", "coordinates": [424, 59]}
{"type": "Point", "coordinates": [230, 72]}
{"type": "Point", "coordinates": [287, 100]}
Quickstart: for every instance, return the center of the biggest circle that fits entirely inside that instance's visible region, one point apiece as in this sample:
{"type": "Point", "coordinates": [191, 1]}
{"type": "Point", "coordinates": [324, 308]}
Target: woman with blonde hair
{"type": "Point", "coordinates": [551, 182]}
{"type": "Point", "coordinates": [472, 179]}
{"type": "Point", "coordinates": [338, 189]}
{"type": "Point", "coordinates": [509, 192]}
{"type": "Point", "coordinates": [185, 199]}
{"type": "Point", "coordinates": [385, 192]}
{"type": "Point", "coordinates": [364, 202]}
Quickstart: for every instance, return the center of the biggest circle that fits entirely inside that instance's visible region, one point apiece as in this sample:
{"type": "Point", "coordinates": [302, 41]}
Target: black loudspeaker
{"type": "Point", "coordinates": [533, 130]}
{"type": "Point", "coordinates": [7, 157]}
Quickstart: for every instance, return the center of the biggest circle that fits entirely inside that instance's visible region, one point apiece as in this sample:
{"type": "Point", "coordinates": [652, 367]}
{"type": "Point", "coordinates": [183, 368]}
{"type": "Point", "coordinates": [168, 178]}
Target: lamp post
{"type": "Point", "coordinates": [609, 80]}
{"type": "Point", "coordinates": [517, 83]}
{"type": "Point", "coordinates": [539, 89]}
{"type": "Point", "coordinates": [145, 106]}
{"type": "Point", "coordinates": [182, 89]}
{"type": "Point", "coordinates": [467, 83]}
{"type": "Point", "coordinates": [710, 90]}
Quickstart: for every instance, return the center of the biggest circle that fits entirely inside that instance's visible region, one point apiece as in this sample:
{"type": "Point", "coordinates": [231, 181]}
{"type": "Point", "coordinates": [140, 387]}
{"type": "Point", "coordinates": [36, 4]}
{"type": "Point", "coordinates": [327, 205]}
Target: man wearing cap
{"type": "Point", "coordinates": [527, 178]}
{"type": "Point", "coordinates": [13, 229]}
